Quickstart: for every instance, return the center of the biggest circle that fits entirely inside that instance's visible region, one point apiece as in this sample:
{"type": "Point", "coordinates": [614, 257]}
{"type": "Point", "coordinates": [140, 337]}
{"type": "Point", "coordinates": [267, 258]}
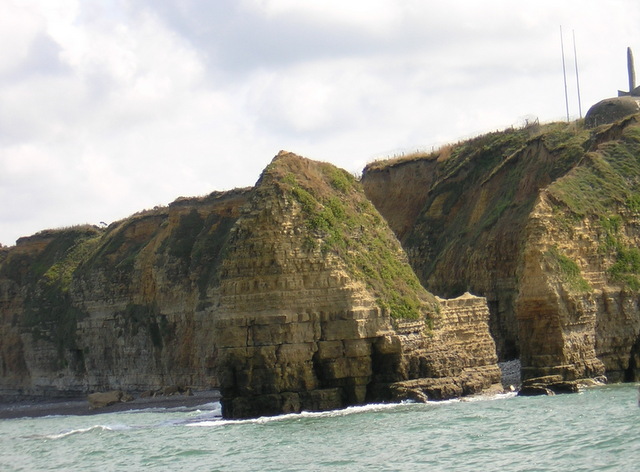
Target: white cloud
{"type": "Point", "coordinates": [111, 106]}
{"type": "Point", "coordinates": [359, 13]}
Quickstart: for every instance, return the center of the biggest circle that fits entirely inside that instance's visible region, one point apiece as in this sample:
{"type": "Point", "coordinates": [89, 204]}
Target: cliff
{"type": "Point", "coordinates": [543, 222]}
{"type": "Point", "coordinates": [290, 295]}
{"type": "Point", "coordinates": [86, 309]}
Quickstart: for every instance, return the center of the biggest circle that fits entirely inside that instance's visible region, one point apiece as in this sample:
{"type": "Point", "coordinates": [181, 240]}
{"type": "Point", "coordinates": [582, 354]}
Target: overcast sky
{"type": "Point", "coordinates": [108, 107]}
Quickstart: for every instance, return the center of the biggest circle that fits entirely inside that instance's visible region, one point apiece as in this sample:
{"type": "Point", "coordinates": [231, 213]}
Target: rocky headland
{"type": "Point", "coordinates": [313, 290]}
{"type": "Point", "coordinates": [291, 295]}
{"type": "Point", "coordinates": [543, 221]}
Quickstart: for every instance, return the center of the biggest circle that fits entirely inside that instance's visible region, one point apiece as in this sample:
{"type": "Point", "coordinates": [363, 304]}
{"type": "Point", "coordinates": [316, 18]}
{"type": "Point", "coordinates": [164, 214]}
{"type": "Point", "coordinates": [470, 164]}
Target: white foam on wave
{"type": "Point", "coordinates": [213, 409]}
{"type": "Point", "coordinates": [91, 429]}
{"type": "Point", "coordinates": [491, 397]}
{"type": "Point", "coordinates": [372, 407]}
{"type": "Point", "coordinates": [205, 407]}
{"type": "Point", "coordinates": [304, 414]}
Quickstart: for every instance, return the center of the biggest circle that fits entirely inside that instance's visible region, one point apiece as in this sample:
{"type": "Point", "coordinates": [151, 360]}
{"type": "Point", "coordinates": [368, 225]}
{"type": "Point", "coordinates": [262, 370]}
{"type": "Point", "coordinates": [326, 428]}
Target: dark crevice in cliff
{"type": "Point", "coordinates": [477, 202]}
{"type": "Point", "coordinates": [632, 373]}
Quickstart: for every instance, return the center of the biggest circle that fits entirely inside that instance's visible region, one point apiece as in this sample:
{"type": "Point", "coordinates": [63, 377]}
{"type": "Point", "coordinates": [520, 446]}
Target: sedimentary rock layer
{"type": "Point", "coordinates": [543, 222]}
{"type": "Point", "coordinates": [291, 295]}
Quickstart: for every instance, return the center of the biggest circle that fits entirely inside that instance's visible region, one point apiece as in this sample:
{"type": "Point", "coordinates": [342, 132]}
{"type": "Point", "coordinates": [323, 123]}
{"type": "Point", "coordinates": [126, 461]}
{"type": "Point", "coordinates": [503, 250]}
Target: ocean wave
{"type": "Point", "coordinates": [211, 407]}
{"type": "Point", "coordinates": [73, 432]}
{"type": "Point", "coordinates": [351, 410]}
{"type": "Point", "coordinates": [490, 397]}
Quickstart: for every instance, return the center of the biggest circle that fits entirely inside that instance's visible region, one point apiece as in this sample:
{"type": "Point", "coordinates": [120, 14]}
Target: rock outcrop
{"type": "Point", "coordinates": [457, 359]}
{"type": "Point", "coordinates": [102, 399]}
{"type": "Point", "coordinates": [84, 309]}
{"type": "Point", "coordinates": [315, 319]}
{"type": "Point", "coordinates": [543, 222]}
{"type": "Point", "coordinates": [291, 295]}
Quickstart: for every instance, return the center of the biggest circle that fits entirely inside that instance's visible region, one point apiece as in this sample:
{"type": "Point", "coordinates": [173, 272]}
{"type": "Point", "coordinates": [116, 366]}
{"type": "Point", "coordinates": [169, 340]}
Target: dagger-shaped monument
{"type": "Point", "coordinates": [613, 109]}
{"type": "Point", "coordinates": [633, 90]}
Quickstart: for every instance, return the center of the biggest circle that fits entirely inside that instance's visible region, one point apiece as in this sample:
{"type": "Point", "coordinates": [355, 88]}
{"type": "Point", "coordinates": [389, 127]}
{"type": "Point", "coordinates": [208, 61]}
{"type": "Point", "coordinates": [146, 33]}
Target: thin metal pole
{"type": "Point", "coordinates": [575, 56]}
{"type": "Point", "coordinates": [564, 74]}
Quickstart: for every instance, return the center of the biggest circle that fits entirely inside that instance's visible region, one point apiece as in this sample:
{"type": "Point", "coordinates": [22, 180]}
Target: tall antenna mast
{"type": "Point", "coordinates": [575, 56]}
{"type": "Point", "coordinates": [564, 74]}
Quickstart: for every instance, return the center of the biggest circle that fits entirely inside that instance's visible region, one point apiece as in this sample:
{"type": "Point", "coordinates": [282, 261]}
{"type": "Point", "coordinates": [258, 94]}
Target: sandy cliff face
{"type": "Point", "coordinates": [467, 234]}
{"type": "Point", "coordinates": [311, 319]}
{"type": "Point", "coordinates": [581, 256]}
{"type": "Point", "coordinates": [291, 295]}
{"type": "Point", "coordinates": [543, 222]}
{"type": "Point", "coordinates": [126, 307]}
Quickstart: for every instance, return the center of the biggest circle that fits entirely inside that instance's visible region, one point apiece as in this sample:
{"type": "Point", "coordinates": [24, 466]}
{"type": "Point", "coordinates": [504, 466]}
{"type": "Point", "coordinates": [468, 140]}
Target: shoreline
{"type": "Point", "coordinates": [36, 407]}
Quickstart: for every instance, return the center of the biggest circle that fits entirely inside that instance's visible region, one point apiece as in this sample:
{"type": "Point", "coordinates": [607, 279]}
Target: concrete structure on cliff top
{"type": "Point", "coordinates": [292, 295]}
{"type": "Point", "coordinates": [613, 109]}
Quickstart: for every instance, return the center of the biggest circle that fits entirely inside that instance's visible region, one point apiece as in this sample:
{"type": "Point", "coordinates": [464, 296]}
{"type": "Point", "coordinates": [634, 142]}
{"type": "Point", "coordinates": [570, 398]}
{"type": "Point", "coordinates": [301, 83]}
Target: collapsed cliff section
{"type": "Point", "coordinates": [87, 308]}
{"type": "Point", "coordinates": [319, 308]}
{"type": "Point", "coordinates": [541, 221]}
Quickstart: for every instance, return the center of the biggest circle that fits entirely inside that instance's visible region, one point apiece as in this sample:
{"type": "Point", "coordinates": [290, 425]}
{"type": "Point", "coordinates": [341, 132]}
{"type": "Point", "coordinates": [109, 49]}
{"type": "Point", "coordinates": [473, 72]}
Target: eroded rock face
{"type": "Point", "coordinates": [467, 235]}
{"type": "Point", "coordinates": [585, 323]}
{"type": "Point", "coordinates": [307, 325]}
{"type": "Point", "coordinates": [291, 295]}
{"type": "Point", "coordinates": [543, 222]}
{"type": "Point", "coordinates": [85, 309]}
{"type": "Point", "coordinates": [557, 317]}
{"type": "Point", "coordinates": [457, 358]}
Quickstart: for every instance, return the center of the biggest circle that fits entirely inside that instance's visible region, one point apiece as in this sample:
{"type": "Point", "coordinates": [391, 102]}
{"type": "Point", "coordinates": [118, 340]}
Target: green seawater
{"type": "Point", "coordinates": [596, 430]}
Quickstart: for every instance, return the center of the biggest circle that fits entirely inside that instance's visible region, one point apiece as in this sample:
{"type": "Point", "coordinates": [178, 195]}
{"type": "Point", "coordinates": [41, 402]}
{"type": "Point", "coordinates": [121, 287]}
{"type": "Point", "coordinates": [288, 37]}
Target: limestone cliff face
{"type": "Point", "coordinates": [556, 307]}
{"type": "Point", "coordinates": [85, 309]}
{"type": "Point", "coordinates": [400, 191]}
{"type": "Point", "coordinates": [468, 232]}
{"type": "Point", "coordinates": [457, 358]}
{"type": "Point", "coordinates": [542, 221]}
{"type": "Point", "coordinates": [313, 318]}
{"type": "Point", "coordinates": [291, 295]}
{"type": "Point", "coordinates": [581, 265]}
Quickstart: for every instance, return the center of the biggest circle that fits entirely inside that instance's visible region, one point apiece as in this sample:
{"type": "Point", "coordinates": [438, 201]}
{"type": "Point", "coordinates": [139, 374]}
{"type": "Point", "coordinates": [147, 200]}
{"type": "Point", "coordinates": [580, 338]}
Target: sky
{"type": "Point", "coordinates": [109, 107]}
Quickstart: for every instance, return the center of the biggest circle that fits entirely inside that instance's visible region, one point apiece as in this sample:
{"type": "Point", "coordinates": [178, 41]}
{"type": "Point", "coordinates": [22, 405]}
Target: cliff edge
{"type": "Point", "coordinates": [543, 222]}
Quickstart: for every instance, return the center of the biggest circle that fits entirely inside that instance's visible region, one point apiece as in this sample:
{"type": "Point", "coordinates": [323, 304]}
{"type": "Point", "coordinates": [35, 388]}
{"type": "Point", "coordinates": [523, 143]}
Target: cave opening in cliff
{"type": "Point", "coordinates": [632, 373]}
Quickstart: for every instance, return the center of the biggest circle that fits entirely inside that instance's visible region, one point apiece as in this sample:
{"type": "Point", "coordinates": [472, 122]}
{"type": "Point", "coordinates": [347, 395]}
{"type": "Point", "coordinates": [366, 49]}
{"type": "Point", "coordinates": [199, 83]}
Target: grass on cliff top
{"type": "Point", "coordinates": [555, 135]}
{"type": "Point", "coordinates": [341, 222]}
{"type": "Point", "coordinates": [64, 249]}
{"type": "Point", "coordinates": [485, 186]}
{"type": "Point", "coordinates": [606, 180]}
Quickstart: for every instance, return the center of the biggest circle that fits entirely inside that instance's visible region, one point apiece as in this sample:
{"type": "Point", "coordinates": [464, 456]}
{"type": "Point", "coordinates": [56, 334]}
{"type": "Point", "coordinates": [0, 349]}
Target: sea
{"type": "Point", "coordinates": [595, 430]}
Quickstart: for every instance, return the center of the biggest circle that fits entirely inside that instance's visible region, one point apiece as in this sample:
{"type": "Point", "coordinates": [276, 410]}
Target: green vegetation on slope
{"type": "Point", "coordinates": [567, 269]}
{"type": "Point", "coordinates": [340, 221]}
{"type": "Point", "coordinates": [46, 276]}
{"type": "Point", "coordinates": [625, 268]}
{"type": "Point", "coordinates": [607, 179]}
{"type": "Point", "coordinates": [485, 189]}
{"type": "Point", "coordinates": [604, 186]}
